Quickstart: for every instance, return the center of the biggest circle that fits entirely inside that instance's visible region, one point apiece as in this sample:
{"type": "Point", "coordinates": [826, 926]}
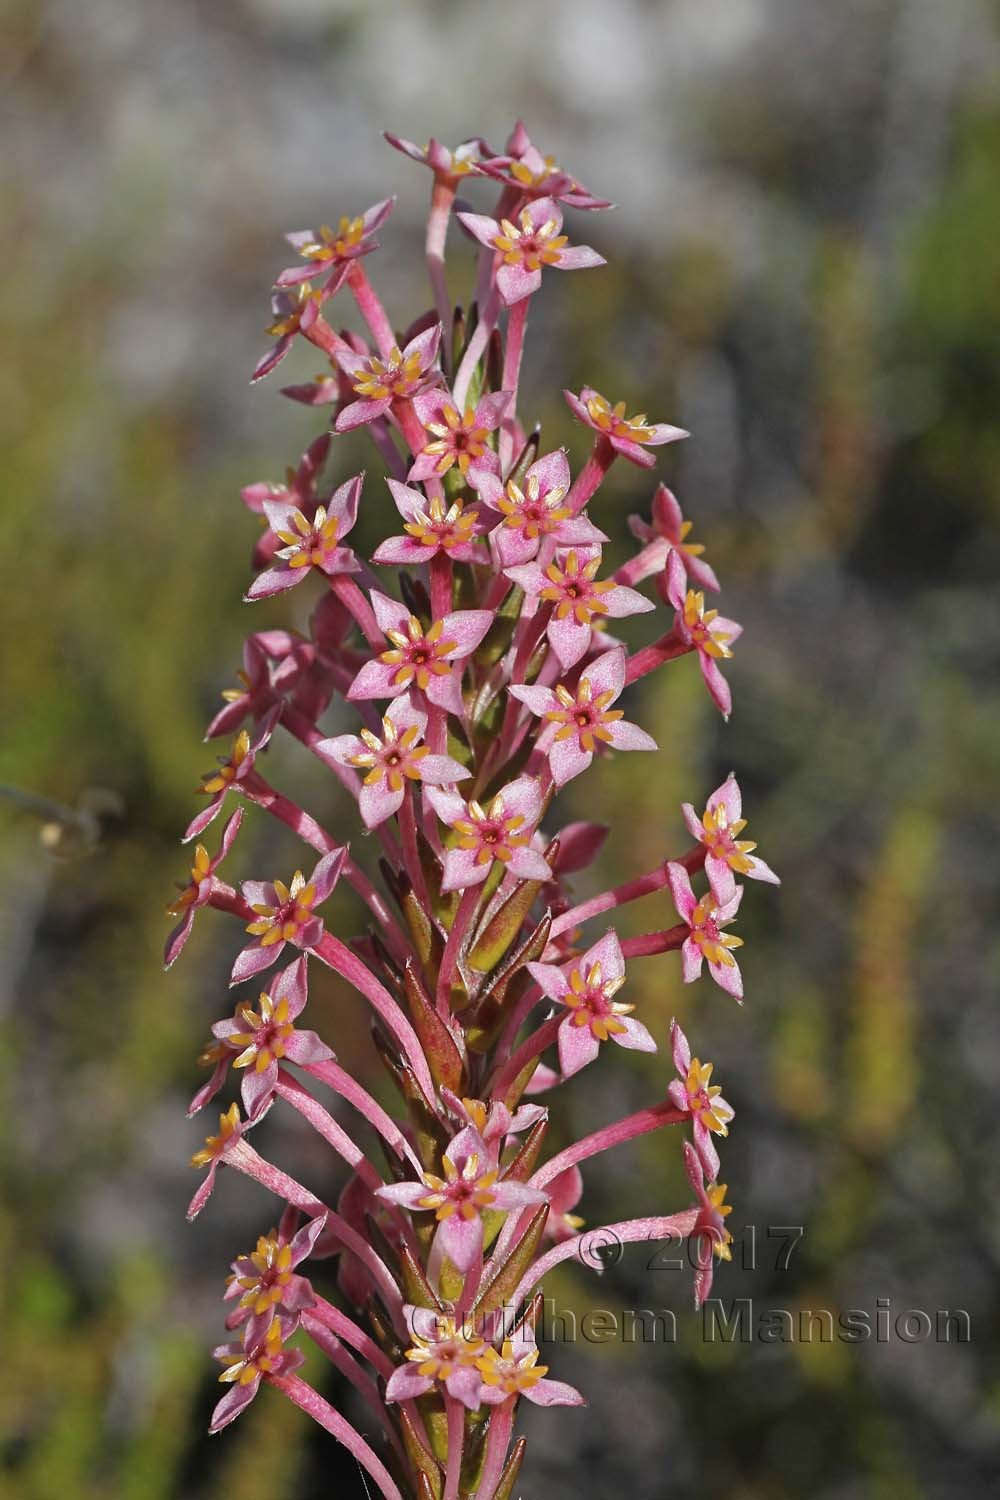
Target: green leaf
{"type": "Point", "coordinates": [428, 1470]}
{"type": "Point", "coordinates": [502, 930]}
{"type": "Point", "coordinates": [507, 1277]}
{"type": "Point", "coordinates": [511, 1470]}
{"type": "Point", "coordinates": [441, 1048]}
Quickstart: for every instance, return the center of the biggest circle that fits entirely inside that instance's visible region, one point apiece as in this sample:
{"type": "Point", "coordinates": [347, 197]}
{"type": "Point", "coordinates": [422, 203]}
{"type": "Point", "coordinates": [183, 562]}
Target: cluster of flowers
{"type": "Point", "coordinates": [495, 679]}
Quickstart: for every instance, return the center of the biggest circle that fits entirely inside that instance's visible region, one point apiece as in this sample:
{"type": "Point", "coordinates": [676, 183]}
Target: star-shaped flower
{"type": "Point", "coordinates": [587, 990]}
{"type": "Point", "coordinates": [199, 889]}
{"type": "Point", "coordinates": [432, 527]}
{"type": "Point", "coordinates": [291, 312]}
{"type": "Point", "coordinates": [441, 1351]}
{"type": "Point", "coordinates": [457, 438]}
{"type": "Point", "coordinates": [335, 250]}
{"type": "Point", "coordinates": [214, 1151]}
{"type": "Point", "coordinates": [669, 531]}
{"type": "Point", "coordinates": [262, 1353]}
{"type": "Point", "coordinates": [705, 631]}
{"type": "Point", "coordinates": [533, 510]}
{"type": "Point", "coordinates": [285, 914]}
{"type": "Point", "coordinates": [701, 1100]}
{"type": "Point", "coordinates": [309, 541]}
{"type": "Point", "coordinates": [709, 1234]}
{"type": "Point", "coordinates": [582, 718]}
{"type": "Point", "coordinates": [726, 854]}
{"type": "Point", "coordinates": [264, 1037]}
{"type": "Point", "coordinates": [515, 1371]}
{"type": "Point", "coordinates": [525, 168]}
{"type": "Point", "coordinates": [378, 381]}
{"type": "Point", "coordinates": [528, 245]}
{"type": "Point", "coordinates": [579, 601]}
{"type": "Point", "coordinates": [443, 162]}
{"type": "Point", "coordinates": [707, 941]}
{"type": "Point", "coordinates": [264, 1280]}
{"type": "Point", "coordinates": [469, 1188]}
{"type": "Point", "coordinates": [234, 769]}
{"type": "Point", "coordinates": [629, 436]}
{"type": "Point", "coordinates": [390, 762]}
{"type": "Point", "coordinates": [500, 831]}
{"type": "Point", "coordinates": [430, 658]}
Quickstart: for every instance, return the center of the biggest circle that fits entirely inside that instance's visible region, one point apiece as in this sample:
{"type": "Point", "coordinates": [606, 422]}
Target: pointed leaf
{"type": "Point", "coordinates": [416, 1287]}
{"type": "Point", "coordinates": [440, 1048]}
{"type": "Point", "coordinates": [502, 930]}
{"type": "Point", "coordinates": [508, 1276]}
{"type": "Point", "coordinates": [428, 1470]}
{"type": "Point", "coordinates": [511, 1469]}
{"type": "Point", "coordinates": [523, 1163]}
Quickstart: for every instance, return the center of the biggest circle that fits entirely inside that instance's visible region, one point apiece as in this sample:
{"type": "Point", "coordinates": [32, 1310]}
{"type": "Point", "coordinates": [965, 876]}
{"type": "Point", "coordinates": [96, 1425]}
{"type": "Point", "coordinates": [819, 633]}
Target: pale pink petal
{"type": "Point", "coordinates": [550, 978]}
{"type": "Point", "coordinates": [408, 501]}
{"type": "Point", "coordinates": [274, 581]}
{"type": "Point", "coordinates": [695, 827]}
{"type": "Point", "coordinates": [540, 700]}
{"type": "Point", "coordinates": [626, 736]}
{"type": "Point", "coordinates": [481, 227]}
{"type": "Point", "coordinates": [547, 1392]}
{"type": "Point", "coordinates": [461, 870]}
{"type": "Point", "coordinates": [680, 1050]}
{"type": "Point", "coordinates": [327, 872]}
{"type": "Point", "coordinates": [405, 1384]}
{"type": "Point", "coordinates": [528, 577]}
{"type": "Point", "coordinates": [760, 871]}
{"type": "Point", "coordinates": [490, 410]}
{"type": "Point", "coordinates": [236, 1399]}
{"type": "Point", "coordinates": [254, 960]}
{"type": "Point", "coordinates": [389, 614]}
{"type": "Point", "coordinates": [569, 639]}
{"type": "Point", "coordinates": [403, 552]}
{"type": "Point", "coordinates": [461, 1240]}
{"type": "Point", "coordinates": [178, 937]}
{"type": "Point", "coordinates": [621, 601]}
{"type": "Point", "coordinates": [375, 680]}
{"type": "Point", "coordinates": [405, 1194]}
{"type": "Point", "coordinates": [606, 673]}
{"type": "Point", "coordinates": [449, 806]}
{"type": "Point", "coordinates": [440, 770]}
{"type": "Point", "coordinates": [446, 692]}
{"type": "Point", "coordinates": [718, 687]}
{"type": "Point", "coordinates": [635, 1037]}
{"type": "Point", "coordinates": [304, 1047]}
{"type": "Point", "coordinates": [691, 961]}
{"type": "Point", "coordinates": [728, 796]}
{"type": "Point", "coordinates": [568, 759]}
{"type": "Point", "coordinates": [466, 627]}
{"type": "Point", "coordinates": [517, 282]}
{"type": "Point", "coordinates": [378, 802]}
{"type": "Point", "coordinates": [578, 258]}
{"type": "Point", "coordinates": [728, 978]}
{"type": "Point", "coordinates": [463, 1384]}
{"type": "Point", "coordinates": [607, 952]}
{"type": "Point", "coordinates": [577, 1047]}
{"type": "Point", "coordinates": [720, 878]}
{"type": "Point", "coordinates": [685, 899]}
{"type": "Point", "coordinates": [340, 749]}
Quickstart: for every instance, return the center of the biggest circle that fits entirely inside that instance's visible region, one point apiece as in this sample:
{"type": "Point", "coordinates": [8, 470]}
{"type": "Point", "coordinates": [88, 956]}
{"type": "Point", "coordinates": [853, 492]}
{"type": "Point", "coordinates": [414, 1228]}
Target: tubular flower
{"type": "Point", "coordinates": [706, 940]}
{"type": "Point", "coordinates": [726, 855]}
{"type": "Point", "coordinates": [335, 250]}
{"type": "Point", "coordinates": [697, 1097]}
{"type": "Point", "coordinates": [501, 831]}
{"type": "Point", "coordinates": [587, 990]}
{"type": "Point", "coordinates": [379, 382]}
{"type": "Point", "coordinates": [464, 695]}
{"type": "Point", "coordinates": [629, 436]}
{"type": "Point", "coordinates": [582, 719]}
{"type": "Point", "coordinates": [528, 245]}
{"type": "Point", "coordinates": [469, 1188]}
{"type": "Point", "coordinates": [388, 763]}
{"type": "Point", "coordinates": [580, 601]}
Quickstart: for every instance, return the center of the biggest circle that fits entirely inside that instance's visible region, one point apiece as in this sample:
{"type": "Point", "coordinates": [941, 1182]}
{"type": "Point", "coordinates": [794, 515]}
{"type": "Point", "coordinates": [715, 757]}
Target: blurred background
{"type": "Point", "coordinates": [803, 271]}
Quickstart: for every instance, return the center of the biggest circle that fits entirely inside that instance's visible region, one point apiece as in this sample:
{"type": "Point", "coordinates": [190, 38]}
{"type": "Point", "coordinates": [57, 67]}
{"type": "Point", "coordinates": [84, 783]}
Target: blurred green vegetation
{"type": "Point", "coordinates": [844, 398]}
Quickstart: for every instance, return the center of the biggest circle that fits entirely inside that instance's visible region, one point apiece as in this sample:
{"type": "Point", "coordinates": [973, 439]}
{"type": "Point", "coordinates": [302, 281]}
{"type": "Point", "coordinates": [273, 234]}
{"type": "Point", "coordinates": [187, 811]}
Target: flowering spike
{"type": "Point", "coordinates": [467, 690]}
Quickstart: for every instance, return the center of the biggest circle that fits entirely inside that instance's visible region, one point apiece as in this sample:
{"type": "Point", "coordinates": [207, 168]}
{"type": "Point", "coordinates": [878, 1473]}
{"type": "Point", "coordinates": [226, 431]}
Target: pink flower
{"type": "Point", "coordinates": [267, 1036]}
{"type": "Point", "coordinates": [390, 762]}
{"type": "Point", "coordinates": [629, 436]}
{"type": "Point", "coordinates": [709, 1235]}
{"type": "Point", "coordinates": [432, 528]}
{"type": "Point", "coordinates": [290, 313]}
{"type": "Point", "coordinates": [706, 631]}
{"type": "Point", "coordinates": [702, 1101]}
{"type": "Point", "coordinates": [451, 165]}
{"type": "Point", "coordinates": [214, 1151]}
{"type": "Point", "coordinates": [501, 831]}
{"type": "Point", "coordinates": [431, 658]}
{"type": "Point", "coordinates": [379, 382]}
{"type": "Point", "coordinates": [199, 889]}
{"type": "Point", "coordinates": [256, 692]}
{"type": "Point", "coordinates": [441, 1351]}
{"type": "Point", "coordinates": [583, 717]}
{"type": "Point", "coordinates": [726, 855]}
{"type": "Point", "coordinates": [669, 531]}
{"type": "Point", "coordinates": [527, 170]}
{"type": "Point", "coordinates": [285, 914]}
{"type": "Point", "coordinates": [493, 1121]}
{"type": "Point", "coordinates": [309, 542]}
{"type": "Point", "coordinates": [515, 1371]}
{"type": "Point", "coordinates": [707, 941]}
{"type": "Point", "coordinates": [457, 438]}
{"type": "Point", "coordinates": [234, 769]}
{"type": "Point", "coordinates": [525, 247]}
{"type": "Point", "coordinates": [587, 990]}
{"type": "Point", "coordinates": [335, 250]}
{"type": "Point", "coordinates": [533, 510]}
{"type": "Point", "coordinates": [579, 600]}
{"type": "Point", "coordinates": [469, 1188]}
{"type": "Point", "coordinates": [299, 489]}
{"type": "Point", "coordinates": [261, 1354]}
{"type": "Point", "coordinates": [565, 1192]}
{"type": "Point", "coordinates": [264, 1280]}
